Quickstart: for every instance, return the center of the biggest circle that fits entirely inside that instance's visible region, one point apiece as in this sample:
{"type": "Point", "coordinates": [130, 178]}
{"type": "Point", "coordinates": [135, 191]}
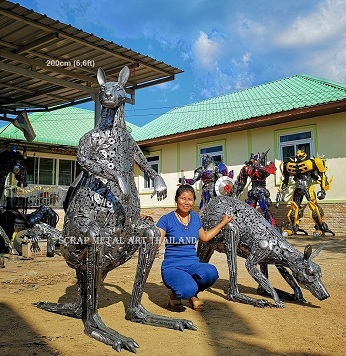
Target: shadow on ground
{"type": "Point", "coordinates": [18, 338]}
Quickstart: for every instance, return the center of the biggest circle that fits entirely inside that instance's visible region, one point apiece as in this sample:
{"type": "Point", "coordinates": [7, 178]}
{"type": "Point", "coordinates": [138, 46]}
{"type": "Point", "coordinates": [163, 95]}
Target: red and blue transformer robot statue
{"type": "Point", "coordinates": [305, 173]}
{"type": "Point", "coordinates": [215, 177]}
{"type": "Point", "coordinates": [257, 170]}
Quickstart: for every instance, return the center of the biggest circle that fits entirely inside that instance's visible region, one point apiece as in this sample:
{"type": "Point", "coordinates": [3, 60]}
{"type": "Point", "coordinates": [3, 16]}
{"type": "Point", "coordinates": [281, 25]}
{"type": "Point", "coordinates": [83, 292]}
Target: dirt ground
{"type": "Point", "coordinates": [224, 328]}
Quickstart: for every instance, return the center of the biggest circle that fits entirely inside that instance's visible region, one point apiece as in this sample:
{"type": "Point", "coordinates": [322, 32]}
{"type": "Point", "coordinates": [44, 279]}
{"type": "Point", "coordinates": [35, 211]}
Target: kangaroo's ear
{"type": "Point", "coordinates": [124, 76]}
{"type": "Point", "coordinates": [101, 76]}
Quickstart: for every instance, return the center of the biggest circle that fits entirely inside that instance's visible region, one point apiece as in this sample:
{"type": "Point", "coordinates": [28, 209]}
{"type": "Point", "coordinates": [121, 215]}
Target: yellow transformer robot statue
{"type": "Point", "coordinates": [305, 172]}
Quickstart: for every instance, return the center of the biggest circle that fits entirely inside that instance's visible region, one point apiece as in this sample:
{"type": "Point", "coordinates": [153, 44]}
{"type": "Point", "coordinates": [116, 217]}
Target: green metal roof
{"type": "Point", "coordinates": [296, 92]}
{"type": "Point", "coordinates": [60, 127]}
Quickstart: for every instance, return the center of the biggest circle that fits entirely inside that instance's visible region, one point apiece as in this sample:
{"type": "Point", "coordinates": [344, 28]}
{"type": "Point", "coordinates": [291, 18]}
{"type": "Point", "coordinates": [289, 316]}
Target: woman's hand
{"type": "Point", "coordinates": [206, 236]}
{"type": "Point", "coordinates": [226, 219]}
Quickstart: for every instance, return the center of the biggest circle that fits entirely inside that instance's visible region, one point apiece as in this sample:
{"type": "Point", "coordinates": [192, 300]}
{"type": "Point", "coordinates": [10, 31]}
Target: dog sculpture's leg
{"type": "Point", "coordinates": [231, 238]}
{"type": "Point", "coordinates": [206, 249]}
{"type": "Point", "coordinates": [93, 325]}
{"type": "Point", "coordinates": [135, 311]}
{"type": "Point", "coordinates": [256, 256]}
{"type": "Point", "coordinates": [298, 295]}
{"type": "Point", "coordinates": [264, 270]}
{"type": "Point", "coordinates": [5, 238]}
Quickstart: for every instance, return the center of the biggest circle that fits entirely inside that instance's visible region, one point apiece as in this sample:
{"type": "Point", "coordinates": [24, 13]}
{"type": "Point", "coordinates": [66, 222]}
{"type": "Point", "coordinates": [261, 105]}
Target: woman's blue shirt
{"type": "Point", "coordinates": [180, 240]}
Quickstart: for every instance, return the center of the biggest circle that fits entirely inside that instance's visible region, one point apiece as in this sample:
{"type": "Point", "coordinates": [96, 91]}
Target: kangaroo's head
{"type": "Point", "coordinates": [112, 94]}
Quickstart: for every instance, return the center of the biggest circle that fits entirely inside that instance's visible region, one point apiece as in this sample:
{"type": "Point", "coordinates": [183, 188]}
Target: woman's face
{"type": "Point", "coordinates": [185, 201]}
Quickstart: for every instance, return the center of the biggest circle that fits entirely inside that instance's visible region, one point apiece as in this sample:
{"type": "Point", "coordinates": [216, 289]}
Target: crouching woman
{"type": "Point", "coordinates": [182, 272]}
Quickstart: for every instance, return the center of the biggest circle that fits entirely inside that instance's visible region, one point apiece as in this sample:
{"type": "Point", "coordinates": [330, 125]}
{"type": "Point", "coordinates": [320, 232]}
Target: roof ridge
{"type": "Point", "coordinates": [33, 119]}
{"type": "Point", "coordinates": [237, 91]}
{"type": "Point", "coordinates": [304, 76]}
{"type": "Point", "coordinates": [324, 81]}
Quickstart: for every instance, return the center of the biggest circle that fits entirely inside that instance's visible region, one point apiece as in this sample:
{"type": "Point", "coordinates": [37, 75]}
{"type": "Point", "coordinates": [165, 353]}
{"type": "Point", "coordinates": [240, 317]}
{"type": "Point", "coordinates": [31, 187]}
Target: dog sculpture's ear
{"type": "Point", "coordinates": [124, 76]}
{"type": "Point", "coordinates": [316, 252]}
{"type": "Point", "coordinates": [307, 252]}
{"type": "Point", "coordinates": [101, 76]}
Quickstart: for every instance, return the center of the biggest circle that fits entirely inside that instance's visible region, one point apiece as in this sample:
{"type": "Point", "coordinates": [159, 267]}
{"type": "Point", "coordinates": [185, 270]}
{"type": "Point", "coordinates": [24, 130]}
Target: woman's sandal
{"type": "Point", "coordinates": [196, 304]}
{"type": "Point", "coordinates": [174, 303]}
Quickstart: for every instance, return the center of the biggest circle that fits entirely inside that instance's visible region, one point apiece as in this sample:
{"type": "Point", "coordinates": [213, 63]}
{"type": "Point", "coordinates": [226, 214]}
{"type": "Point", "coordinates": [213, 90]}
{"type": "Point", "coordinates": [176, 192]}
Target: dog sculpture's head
{"type": "Point", "coordinates": [112, 94]}
{"type": "Point", "coordinates": [308, 274]}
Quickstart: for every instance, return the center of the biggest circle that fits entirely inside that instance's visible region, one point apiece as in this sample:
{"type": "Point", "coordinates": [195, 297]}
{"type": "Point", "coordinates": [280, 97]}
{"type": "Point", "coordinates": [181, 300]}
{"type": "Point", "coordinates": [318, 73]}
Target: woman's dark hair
{"type": "Point", "coordinates": [184, 188]}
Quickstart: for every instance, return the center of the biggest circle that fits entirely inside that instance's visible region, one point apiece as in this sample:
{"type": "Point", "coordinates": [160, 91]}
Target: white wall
{"type": "Point", "coordinates": [330, 141]}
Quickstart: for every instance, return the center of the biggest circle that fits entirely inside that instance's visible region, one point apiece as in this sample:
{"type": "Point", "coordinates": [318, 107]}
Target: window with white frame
{"type": "Point", "coordinates": [154, 162]}
{"type": "Point", "coordinates": [290, 143]}
{"type": "Point", "coordinates": [41, 170]}
{"type": "Point", "coordinates": [66, 171]}
{"type": "Point", "coordinates": [216, 152]}
{"type": "Point", "coordinates": [51, 171]}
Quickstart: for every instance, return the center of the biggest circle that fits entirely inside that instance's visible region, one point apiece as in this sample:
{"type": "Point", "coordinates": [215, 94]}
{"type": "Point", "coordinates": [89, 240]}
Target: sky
{"type": "Point", "coordinates": [222, 46]}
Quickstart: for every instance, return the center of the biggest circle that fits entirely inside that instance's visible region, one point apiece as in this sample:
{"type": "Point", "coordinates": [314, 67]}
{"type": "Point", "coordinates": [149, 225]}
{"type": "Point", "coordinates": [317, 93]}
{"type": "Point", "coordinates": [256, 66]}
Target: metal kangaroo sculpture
{"type": "Point", "coordinates": [103, 227]}
{"type": "Point", "coordinates": [252, 237]}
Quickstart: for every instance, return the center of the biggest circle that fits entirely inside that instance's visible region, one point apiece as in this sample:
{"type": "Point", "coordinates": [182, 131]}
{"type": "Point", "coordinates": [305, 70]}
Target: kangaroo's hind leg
{"type": "Point", "coordinates": [93, 325]}
{"type": "Point", "coordinates": [149, 239]}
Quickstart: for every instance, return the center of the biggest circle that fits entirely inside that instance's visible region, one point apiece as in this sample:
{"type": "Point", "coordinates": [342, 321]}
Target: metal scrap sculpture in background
{"type": "Point", "coordinates": [257, 170]}
{"type": "Point", "coordinates": [11, 161]}
{"type": "Point", "coordinates": [33, 234]}
{"type": "Point", "coordinates": [305, 173]}
{"type": "Point", "coordinates": [12, 220]}
{"type": "Point", "coordinates": [215, 177]}
{"type": "Point", "coordinates": [251, 236]}
{"type": "Point", "coordinates": [103, 227]}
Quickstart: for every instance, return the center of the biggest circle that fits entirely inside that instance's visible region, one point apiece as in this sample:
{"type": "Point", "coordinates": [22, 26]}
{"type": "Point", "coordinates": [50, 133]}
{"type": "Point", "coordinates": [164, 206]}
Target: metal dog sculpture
{"type": "Point", "coordinates": [41, 231]}
{"type": "Point", "coordinates": [251, 236]}
{"type": "Point", "coordinates": [102, 227]}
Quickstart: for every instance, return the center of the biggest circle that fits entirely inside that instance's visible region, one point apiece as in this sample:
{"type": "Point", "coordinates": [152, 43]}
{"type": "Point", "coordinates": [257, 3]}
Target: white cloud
{"type": "Point", "coordinates": [186, 56]}
{"type": "Point", "coordinates": [246, 26]}
{"type": "Point", "coordinates": [206, 51]}
{"type": "Point", "coordinates": [325, 23]}
{"type": "Point", "coordinates": [170, 86]}
{"type": "Point", "coordinates": [246, 58]}
{"type": "Point", "coordinates": [329, 64]}
{"type": "Point", "coordinates": [175, 86]}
